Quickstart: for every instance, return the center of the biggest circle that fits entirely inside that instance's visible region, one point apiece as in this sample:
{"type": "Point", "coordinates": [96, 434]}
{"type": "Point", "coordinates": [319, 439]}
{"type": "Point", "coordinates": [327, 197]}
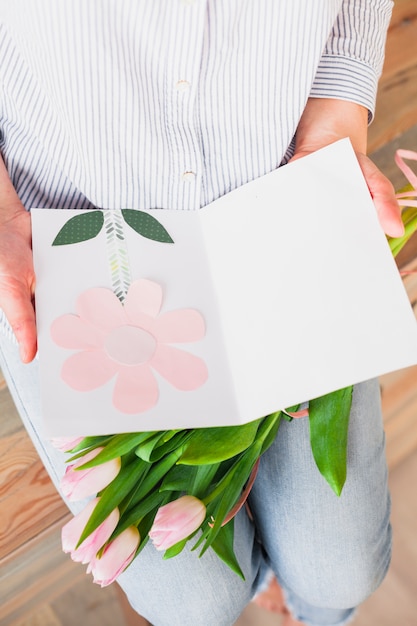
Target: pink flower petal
{"type": "Point", "coordinates": [180, 326]}
{"type": "Point", "coordinates": [85, 371]}
{"type": "Point", "coordinates": [183, 370]}
{"type": "Point", "coordinates": [101, 308]}
{"type": "Point", "coordinates": [92, 544]}
{"type": "Point", "coordinates": [71, 531]}
{"type": "Point", "coordinates": [116, 557]}
{"type": "Point", "coordinates": [144, 297]}
{"type": "Point", "coordinates": [176, 521]}
{"type": "Point", "coordinates": [70, 331]}
{"type": "Point", "coordinates": [77, 484]}
{"type": "Point", "coordinates": [136, 389]}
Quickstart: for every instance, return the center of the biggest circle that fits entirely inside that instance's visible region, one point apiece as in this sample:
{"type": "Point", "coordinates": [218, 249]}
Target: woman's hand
{"type": "Point", "coordinates": [325, 121]}
{"type": "Point", "coordinates": [17, 277]}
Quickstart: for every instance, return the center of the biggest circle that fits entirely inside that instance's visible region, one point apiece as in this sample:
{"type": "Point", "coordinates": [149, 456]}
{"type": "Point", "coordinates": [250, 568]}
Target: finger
{"type": "Point", "coordinates": [383, 195]}
{"type": "Point", "coordinates": [18, 308]}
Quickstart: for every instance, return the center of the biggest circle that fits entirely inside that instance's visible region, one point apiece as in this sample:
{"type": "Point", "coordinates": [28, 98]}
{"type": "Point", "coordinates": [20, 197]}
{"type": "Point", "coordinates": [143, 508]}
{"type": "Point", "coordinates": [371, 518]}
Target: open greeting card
{"type": "Point", "coordinates": [281, 291]}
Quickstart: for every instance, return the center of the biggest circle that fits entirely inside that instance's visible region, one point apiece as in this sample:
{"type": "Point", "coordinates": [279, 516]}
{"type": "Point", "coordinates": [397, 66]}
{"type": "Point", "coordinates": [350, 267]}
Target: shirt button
{"type": "Point", "coordinates": [182, 86]}
{"type": "Point", "coordinates": [188, 177]}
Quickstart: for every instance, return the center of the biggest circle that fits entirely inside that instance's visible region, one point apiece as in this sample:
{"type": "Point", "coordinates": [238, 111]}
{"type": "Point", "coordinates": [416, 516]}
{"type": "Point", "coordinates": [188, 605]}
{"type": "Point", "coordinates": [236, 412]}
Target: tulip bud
{"type": "Point", "coordinates": [73, 529]}
{"type": "Point", "coordinates": [66, 443]}
{"type": "Point", "coordinates": [115, 558]}
{"type": "Point", "coordinates": [176, 521]}
{"type": "Point", "coordinates": [78, 484]}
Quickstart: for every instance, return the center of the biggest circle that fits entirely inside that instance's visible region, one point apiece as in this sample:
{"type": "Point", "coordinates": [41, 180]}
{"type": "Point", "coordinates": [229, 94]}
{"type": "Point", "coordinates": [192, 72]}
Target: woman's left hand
{"type": "Point", "coordinates": [325, 121]}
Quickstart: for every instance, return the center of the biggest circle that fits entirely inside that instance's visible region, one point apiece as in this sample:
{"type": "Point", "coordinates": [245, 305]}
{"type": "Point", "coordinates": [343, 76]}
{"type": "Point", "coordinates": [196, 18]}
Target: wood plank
{"type": "Point", "coordinates": [29, 500]}
{"type": "Point", "coordinates": [10, 421]}
{"type": "Point", "coordinates": [35, 577]}
{"type": "Point", "coordinates": [395, 110]}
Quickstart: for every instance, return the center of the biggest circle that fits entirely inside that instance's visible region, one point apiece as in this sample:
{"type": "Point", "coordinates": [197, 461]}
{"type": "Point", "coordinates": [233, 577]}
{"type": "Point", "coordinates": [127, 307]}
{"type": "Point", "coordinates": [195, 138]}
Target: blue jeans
{"type": "Point", "coordinates": [328, 553]}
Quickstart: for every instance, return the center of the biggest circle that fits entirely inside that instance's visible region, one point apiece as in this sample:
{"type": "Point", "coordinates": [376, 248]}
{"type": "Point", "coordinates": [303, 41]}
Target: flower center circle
{"type": "Point", "coordinates": [130, 345]}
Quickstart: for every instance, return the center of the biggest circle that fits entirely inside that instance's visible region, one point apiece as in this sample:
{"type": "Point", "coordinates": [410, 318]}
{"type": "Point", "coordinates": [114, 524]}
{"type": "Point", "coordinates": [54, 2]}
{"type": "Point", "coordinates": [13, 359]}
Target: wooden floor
{"type": "Point", "coordinates": [394, 604]}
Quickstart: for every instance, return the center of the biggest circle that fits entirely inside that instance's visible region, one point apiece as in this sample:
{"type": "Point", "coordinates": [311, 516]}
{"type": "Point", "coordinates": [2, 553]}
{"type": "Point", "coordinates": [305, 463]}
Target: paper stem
{"type": "Point", "coordinates": [117, 254]}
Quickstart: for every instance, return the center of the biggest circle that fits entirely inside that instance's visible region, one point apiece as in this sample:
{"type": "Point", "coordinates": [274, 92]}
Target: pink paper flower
{"type": "Point", "coordinates": [115, 558]}
{"type": "Point", "coordinates": [128, 341]}
{"type": "Point", "coordinates": [77, 484]}
{"type": "Point", "coordinates": [73, 529]}
{"type": "Point", "coordinates": [176, 521]}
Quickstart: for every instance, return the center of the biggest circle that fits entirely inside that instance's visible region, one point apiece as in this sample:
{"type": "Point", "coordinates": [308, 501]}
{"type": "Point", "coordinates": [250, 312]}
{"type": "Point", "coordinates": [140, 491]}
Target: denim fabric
{"type": "Point", "coordinates": [328, 553]}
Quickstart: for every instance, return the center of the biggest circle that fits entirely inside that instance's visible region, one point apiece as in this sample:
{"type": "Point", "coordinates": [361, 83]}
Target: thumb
{"type": "Point", "coordinates": [17, 305]}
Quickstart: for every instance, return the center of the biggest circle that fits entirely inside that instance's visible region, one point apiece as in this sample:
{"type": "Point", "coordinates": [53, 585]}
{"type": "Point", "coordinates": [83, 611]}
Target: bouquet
{"type": "Point", "coordinates": [176, 486]}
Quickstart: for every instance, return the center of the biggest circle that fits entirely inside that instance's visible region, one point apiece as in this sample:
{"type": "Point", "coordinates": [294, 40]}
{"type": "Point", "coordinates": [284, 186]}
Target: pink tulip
{"type": "Point", "coordinates": [115, 558]}
{"type": "Point", "coordinates": [176, 521]}
{"type": "Point", "coordinates": [73, 529]}
{"type": "Point", "coordinates": [78, 484]}
{"type": "Point", "coordinates": [66, 443]}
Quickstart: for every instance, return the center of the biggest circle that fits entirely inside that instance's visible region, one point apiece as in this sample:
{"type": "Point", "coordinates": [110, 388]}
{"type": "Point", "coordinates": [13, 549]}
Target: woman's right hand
{"type": "Point", "coordinates": [17, 277]}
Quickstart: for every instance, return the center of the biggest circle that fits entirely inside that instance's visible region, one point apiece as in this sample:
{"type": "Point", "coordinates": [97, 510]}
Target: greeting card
{"type": "Point", "coordinates": [281, 291]}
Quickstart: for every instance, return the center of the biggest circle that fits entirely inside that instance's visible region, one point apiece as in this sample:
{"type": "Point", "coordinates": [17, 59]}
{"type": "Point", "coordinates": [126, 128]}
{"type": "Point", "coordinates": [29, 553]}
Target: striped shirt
{"type": "Point", "coordinates": [170, 103]}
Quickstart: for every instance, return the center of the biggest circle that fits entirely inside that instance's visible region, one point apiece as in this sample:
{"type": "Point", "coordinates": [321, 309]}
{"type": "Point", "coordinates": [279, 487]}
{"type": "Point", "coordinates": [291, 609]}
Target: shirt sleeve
{"type": "Point", "coordinates": [353, 57]}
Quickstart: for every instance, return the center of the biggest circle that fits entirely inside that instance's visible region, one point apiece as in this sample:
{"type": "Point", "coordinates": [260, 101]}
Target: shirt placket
{"type": "Point", "coordinates": [182, 124]}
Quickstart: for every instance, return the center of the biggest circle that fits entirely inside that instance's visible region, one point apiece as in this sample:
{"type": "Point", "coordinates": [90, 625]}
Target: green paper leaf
{"type": "Point", "coordinates": [146, 225]}
{"type": "Point", "coordinates": [212, 445]}
{"type": "Point", "coordinates": [329, 423]}
{"type": "Point", "coordinates": [223, 547]}
{"type": "Point", "coordinates": [80, 228]}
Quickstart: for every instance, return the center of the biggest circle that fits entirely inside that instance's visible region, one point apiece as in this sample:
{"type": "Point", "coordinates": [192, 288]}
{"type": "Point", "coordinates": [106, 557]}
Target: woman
{"type": "Point", "coordinates": [124, 103]}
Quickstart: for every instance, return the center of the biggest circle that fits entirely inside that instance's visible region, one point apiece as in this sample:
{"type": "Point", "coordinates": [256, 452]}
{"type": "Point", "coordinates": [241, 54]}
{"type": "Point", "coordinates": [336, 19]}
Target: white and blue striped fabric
{"type": "Point", "coordinates": [170, 103]}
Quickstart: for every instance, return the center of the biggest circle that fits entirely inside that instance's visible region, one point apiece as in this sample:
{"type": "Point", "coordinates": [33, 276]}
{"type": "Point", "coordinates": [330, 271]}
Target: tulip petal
{"type": "Point", "coordinates": [71, 531]}
{"type": "Point", "coordinates": [88, 370]}
{"type": "Point", "coordinates": [176, 521]}
{"type": "Point", "coordinates": [180, 326]}
{"type": "Point", "coordinates": [183, 370]}
{"type": "Point", "coordinates": [92, 544]}
{"type": "Point", "coordinates": [77, 484]}
{"type": "Point", "coordinates": [116, 557]}
{"type": "Point", "coordinates": [136, 389]}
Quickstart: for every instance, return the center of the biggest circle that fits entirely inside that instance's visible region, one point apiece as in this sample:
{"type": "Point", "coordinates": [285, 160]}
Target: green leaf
{"type": "Point", "coordinates": [155, 475]}
{"type": "Point", "coordinates": [195, 480]}
{"type": "Point", "coordinates": [329, 423]}
{"type": "Point", "coordinates": [223, 547]}
{"type": "Point", "coordinates": [212, 445]}
{"type": "Point", "coordinates": [146, 225]}
{"type": "Point", "coordinates": [409, 217]}
{"type": "Point", "coordinates": [117, 446]}
{"type": "Point", "coordinates": [148, 505]}
{"type": "Point", "coordinates": [161, 443]}
{"type": "Point", "coordinates": [268, 430]}
{"type": "Point", "coordinates": [176, 549]}
{"type": "Point", "coordinates": [228, 491]}
{"type": "Point", "coordinates": [80, 228]}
